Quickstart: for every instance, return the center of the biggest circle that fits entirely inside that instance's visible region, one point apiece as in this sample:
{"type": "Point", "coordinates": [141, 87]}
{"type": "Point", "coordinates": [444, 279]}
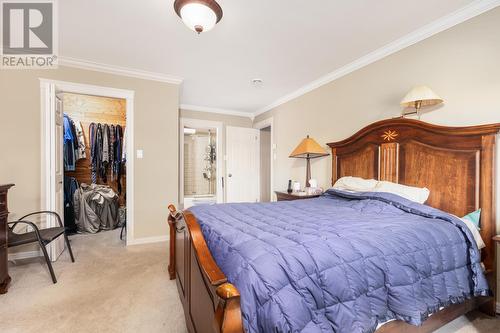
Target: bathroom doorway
{"type": "Point", "coordinates": [201, 181]}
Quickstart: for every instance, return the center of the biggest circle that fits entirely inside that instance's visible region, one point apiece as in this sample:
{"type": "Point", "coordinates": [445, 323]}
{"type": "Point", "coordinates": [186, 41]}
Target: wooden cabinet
{"type": "Point", "coordinates": [4, 273]}
{"type": "Point", "coordinates": [285, 196]}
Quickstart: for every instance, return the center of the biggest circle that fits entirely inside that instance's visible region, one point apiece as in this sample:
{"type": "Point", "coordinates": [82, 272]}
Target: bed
{"type": "Point", "coordinates": [456, 164]}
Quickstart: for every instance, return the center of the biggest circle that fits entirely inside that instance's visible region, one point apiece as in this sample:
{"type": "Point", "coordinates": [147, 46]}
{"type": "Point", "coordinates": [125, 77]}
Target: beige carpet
{"type": "Point", "coordinates": [112, 288]}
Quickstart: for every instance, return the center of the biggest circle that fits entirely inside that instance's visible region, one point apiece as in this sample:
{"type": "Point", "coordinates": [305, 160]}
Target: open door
{"type": "Point", "coordinates": [242, 164]}
{"type": "Point", "coordinates": [57, 247]}
{"type": "Point", "coordinates": [52, 161]}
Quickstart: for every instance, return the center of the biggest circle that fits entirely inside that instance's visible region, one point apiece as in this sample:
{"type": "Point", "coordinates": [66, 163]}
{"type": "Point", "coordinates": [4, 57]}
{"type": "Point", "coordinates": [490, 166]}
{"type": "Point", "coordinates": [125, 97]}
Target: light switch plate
{"type": "Point", "coordinates": [140, 153]}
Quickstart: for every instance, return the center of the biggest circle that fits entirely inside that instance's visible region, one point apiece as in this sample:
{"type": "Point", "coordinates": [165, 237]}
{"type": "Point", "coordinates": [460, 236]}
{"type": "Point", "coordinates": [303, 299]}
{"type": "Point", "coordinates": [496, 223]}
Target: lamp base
{"type": "Point", "coordinates": [308, 172]}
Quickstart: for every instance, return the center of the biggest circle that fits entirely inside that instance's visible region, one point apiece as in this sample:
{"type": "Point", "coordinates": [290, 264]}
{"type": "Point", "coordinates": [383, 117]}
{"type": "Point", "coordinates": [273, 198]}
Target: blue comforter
{"type": "Point", "coordinates": [343, 262]}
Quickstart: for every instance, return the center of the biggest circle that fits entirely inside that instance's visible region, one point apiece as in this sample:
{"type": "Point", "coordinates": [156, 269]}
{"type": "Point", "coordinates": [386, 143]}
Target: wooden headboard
{"type": "Point", "coordinates": [457, 164]}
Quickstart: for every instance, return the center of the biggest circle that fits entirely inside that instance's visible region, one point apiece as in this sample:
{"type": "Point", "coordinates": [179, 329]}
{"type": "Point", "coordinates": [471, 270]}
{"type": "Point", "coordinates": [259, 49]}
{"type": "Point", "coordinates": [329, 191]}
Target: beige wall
{"type": "Point", "coordinates": [461, 64]}
{"type": "Point", "coordinates": [155, 112]}
{"type": "Point", "coordinates": [227, 120]}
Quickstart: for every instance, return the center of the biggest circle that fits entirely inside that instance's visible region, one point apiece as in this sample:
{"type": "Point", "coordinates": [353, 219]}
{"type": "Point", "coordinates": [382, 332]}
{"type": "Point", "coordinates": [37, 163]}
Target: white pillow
{"type": "Point", "coordinates": [416, 194]}
{"type": "Point", "coordinates": [475, 233]}
{"type": "Point", "coordinates": [357, 184]}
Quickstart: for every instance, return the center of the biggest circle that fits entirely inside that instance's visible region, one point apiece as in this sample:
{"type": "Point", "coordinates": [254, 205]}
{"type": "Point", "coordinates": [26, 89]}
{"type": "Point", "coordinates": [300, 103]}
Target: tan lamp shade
{"type": "Point", "coordinates": [308, 148]}
{"type": "Point", "coordinates": [421, 96]}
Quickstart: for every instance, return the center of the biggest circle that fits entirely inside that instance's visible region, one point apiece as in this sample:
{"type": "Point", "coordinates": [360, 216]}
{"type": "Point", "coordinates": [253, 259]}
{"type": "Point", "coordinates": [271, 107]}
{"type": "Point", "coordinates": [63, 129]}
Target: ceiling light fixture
{"type": "Point", "coordinates": [199, 15]}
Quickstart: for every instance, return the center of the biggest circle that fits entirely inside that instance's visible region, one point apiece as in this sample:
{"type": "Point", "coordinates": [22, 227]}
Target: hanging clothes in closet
{"type": "Point", "coordinates": [81, 154]}
{"type": "Point", "coordinates": [73, 150]}
{"type": "Point", "coordinates": [73, 143]}
{"type": "Point", "coordinates": [68, 145]}
{"type": "Point", "coordinates": [70, 187]}
{"type": "Point", "coordinates": [106, 150]}
{"type": "Point", "coordinates": [117, 160]}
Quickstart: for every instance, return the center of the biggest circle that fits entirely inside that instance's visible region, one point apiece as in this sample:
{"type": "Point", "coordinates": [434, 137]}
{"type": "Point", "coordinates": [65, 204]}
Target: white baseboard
{"type": "Point", "coordinates": [148, 240]}
{"type": "Point", "coordinates": [24, 255]}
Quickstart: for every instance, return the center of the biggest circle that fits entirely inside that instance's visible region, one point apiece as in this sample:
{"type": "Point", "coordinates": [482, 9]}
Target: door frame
{"type": "Point", "coordinates": [269, 122]}
{"type": "Point", "coordinates": [48, 90]}
{"type": "Point", "coordinates": [199, 123]}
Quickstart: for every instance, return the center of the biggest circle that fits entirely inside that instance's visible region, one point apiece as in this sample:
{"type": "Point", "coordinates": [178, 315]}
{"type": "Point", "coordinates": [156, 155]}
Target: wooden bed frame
{"type": "Point", "coordinates": [457, 164]}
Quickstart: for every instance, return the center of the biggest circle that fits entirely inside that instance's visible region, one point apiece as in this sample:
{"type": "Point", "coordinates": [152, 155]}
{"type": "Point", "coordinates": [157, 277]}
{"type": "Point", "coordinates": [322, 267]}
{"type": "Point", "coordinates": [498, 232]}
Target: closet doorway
{"type": "Point", "coordinates": [87, 138]}
{"type": "Point", "coordinates": [200, 163]}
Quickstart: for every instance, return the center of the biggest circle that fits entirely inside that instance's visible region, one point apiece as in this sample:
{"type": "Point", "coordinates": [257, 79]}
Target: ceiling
{"type": "Point", "coordinates": [287, 43]}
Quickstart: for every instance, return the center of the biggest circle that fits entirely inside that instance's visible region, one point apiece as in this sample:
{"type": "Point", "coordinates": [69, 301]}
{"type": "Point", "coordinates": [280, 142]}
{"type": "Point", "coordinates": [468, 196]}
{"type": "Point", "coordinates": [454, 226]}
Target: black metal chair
{"type": "Point", "coordinates": [42, 236]}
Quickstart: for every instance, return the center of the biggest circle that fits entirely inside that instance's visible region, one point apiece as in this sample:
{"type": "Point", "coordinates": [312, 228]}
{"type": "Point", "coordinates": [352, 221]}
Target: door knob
{"type": "Point", "coordinates": [230, 175]}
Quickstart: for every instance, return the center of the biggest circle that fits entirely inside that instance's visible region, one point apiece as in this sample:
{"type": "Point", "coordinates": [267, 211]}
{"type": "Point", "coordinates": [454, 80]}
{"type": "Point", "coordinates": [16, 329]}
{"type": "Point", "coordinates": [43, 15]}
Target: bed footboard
{"type": "Point", "coordinates": [210, 303]}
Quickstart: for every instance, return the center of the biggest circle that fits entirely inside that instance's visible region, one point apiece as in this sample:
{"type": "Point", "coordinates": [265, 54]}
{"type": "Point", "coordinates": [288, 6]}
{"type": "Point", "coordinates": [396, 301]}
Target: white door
{"type": "Point", "coordinates": [242, 164]}
{"type": "Point", "coordinates": [57, 246]}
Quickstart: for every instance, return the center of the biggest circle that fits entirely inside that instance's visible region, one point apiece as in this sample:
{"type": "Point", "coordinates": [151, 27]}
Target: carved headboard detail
{"type": "Point", "coordinates": [457, 164]}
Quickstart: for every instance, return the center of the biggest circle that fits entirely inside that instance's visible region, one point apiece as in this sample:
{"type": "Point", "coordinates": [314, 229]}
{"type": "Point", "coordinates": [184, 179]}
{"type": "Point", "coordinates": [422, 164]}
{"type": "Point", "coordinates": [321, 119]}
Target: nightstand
{"type": "Point", "coordinates": [285, 196]}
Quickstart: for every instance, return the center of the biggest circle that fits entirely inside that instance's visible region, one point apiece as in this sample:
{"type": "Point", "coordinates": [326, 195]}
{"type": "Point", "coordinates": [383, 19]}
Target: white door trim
{"type": "Point", "coordinates": [47, 90]}
{"type": "Point", "coordinates": [269, 122]}
{"type": "Point", "coordinates": [198, 123]}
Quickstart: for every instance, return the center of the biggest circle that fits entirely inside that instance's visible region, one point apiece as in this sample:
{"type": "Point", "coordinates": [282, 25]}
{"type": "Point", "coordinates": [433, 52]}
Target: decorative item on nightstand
{"type": "Point", "coordinates": [308, 149]}
{"type": "Point", "coordinates": [419, 97]}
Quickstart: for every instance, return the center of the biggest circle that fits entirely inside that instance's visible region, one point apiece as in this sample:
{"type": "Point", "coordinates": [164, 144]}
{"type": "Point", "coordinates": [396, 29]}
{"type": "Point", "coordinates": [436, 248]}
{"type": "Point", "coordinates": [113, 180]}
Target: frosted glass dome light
{"type": "Point", "coordinates": [199, 15]}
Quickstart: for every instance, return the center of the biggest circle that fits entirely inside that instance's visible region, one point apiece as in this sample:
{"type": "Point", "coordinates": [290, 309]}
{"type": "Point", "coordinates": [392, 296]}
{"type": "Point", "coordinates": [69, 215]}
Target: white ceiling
{"type": "Point", "coordinates": [287, 43]}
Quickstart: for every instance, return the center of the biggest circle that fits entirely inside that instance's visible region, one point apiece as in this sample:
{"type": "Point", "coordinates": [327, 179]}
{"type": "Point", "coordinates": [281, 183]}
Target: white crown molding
{"type": "Point", "coordinates": [198, 108]}
{"type": "Point", "coordinates": [117, 70]}
{"type": "Point", "coordinates": [472, 10]}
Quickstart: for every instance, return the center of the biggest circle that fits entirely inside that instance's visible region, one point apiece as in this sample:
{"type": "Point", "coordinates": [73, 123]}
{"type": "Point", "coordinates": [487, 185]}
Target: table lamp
{"type": "Point", "coordinates": [308, 149]}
